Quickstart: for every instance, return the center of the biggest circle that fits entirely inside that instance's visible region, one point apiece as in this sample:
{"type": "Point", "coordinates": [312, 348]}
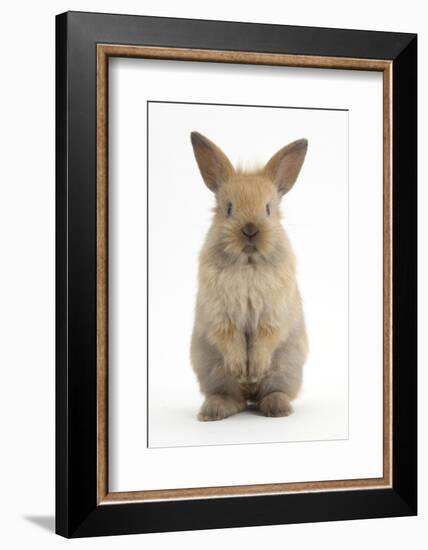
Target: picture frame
{"type": "Point", "coordinates": [84, 44]}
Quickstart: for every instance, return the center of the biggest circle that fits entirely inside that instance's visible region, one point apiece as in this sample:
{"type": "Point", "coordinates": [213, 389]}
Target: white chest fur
{"type": "Point", "coordinates": [246, 294]}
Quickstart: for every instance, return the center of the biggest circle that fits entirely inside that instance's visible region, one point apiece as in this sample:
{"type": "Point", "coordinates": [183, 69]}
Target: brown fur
{"type": "Point", "coordinates": [249, 340]}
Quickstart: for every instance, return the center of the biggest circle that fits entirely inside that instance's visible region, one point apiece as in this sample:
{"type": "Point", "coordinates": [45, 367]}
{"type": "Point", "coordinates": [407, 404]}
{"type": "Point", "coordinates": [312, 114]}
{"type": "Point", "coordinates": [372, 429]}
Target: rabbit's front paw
{"type": "Point", "coordinates": [259, 363]}
{"type": "Point", "coordinates": [217, 407]}
{"type": "Point", "coordinates": [236, 366]}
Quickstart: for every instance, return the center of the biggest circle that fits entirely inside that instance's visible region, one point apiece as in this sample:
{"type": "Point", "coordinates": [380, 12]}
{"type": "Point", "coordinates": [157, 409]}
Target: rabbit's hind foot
{"type": "Point", "coordinates": [276, 403]}
{"type": "Point", "coordinates": [218, 407]}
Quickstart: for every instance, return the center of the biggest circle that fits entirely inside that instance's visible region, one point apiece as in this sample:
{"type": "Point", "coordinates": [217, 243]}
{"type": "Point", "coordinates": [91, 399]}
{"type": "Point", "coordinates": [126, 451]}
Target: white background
{"type": "Point", "coordinates": [317, 214]}
{"type": "Point", "coordinates": [27, 275]}
{"type": "Point", "coordinates": [316, 220]}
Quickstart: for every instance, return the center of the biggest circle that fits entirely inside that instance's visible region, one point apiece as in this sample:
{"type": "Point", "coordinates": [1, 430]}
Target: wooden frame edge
{"type": "Point", "coordinates": [241, 57]}
{"type": "Point", "coordinates": [104, 51]}
{"type": "Point", "coordinates": [102, 274]}
{"type": "Point", "coordinates": [387, 274]}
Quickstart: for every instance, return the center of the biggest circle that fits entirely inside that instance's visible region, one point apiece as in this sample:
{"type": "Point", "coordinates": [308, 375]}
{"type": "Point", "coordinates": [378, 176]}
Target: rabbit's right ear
{"type": "Point", "coordinates": [284, 167]}
{"type": "Point", "coordinates": [213, 164]}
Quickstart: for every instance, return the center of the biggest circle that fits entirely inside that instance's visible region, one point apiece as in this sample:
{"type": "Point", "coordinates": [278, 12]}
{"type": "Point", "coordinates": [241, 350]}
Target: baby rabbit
{"type": "Point", "coordinates": [249, 339]}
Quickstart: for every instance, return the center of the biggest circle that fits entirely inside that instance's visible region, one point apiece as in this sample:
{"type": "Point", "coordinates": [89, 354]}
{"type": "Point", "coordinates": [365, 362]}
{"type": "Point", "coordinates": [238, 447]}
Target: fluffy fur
{"type": "Point", "coordinates": [249, 341]}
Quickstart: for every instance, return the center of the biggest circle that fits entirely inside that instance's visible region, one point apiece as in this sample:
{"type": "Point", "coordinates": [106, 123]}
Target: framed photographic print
{"type": "Point", "coordinates": [236, 274]}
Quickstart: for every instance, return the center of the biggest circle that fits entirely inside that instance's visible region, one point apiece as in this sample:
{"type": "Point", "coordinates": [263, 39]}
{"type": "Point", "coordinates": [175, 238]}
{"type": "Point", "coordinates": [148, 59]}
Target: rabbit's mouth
{"type": "Point", "coordinates": [249, 248]}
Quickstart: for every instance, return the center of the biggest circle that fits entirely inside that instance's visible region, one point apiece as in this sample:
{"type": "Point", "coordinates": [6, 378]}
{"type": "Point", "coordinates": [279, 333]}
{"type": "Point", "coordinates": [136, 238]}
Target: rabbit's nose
{"type": "Point", "coordinates": [250, 230]}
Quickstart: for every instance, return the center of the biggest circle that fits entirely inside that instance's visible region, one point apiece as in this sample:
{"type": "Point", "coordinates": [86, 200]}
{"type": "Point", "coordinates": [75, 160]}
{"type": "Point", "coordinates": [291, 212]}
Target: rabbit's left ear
{"type": "Point", "coordinates": [284, 167]}
{"type": "Point", "coordinates": [213, 164]}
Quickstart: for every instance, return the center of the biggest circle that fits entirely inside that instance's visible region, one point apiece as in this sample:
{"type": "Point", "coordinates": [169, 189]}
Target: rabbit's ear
{"type": "Point", "coordinates": [284, 167]}
{"type": "Point", "coordinates": [213, 164]}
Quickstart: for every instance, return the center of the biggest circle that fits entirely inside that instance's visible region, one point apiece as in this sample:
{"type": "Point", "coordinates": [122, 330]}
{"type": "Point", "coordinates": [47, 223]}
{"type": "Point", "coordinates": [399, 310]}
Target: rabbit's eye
{"type": "Point", "coordinates": [229, 209]}
{"type": "Point", "coordinates": [268, 209]}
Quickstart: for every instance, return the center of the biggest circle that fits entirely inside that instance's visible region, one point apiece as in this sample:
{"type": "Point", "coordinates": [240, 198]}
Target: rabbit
{"type": "Point", "coordinates": [249, 341]}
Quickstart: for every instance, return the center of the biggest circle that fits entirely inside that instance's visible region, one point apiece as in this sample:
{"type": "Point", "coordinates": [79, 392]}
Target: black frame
{"type": "Point", "coordinates": [77, 513]}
